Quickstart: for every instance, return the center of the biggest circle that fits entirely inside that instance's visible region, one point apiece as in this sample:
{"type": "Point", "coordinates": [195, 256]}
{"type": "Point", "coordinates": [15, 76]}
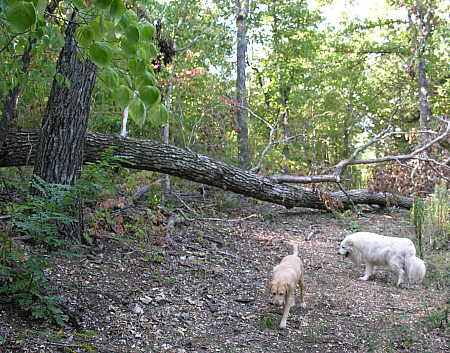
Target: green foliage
{"type": "Point", "coordinates": [417, 216]}
{"type": "Point", "coordinates": [99, 178]}
{"type": "Point", "coordinates": [348, 219]}
{"type": "Point", "coordinates": [437, 319]}
{"type": "Point", "coordinates": [23, 268]}
{"type": "Point", "coordinates": [430, 217]}
{"type": "Point", "coordinates": [21, 16]}
{"type": "Point", "coordinates": [39, 216]}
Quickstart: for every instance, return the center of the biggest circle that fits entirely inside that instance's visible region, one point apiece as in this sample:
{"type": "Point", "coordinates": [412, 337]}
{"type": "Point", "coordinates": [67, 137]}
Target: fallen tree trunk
{"type": "Point", "coordinates": [21, 148]}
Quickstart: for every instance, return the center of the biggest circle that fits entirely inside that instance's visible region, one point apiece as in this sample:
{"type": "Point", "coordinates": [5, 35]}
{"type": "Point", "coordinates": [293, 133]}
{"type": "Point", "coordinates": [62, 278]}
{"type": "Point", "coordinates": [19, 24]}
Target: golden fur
{"type": "Point", "coordinates": [285, 278]}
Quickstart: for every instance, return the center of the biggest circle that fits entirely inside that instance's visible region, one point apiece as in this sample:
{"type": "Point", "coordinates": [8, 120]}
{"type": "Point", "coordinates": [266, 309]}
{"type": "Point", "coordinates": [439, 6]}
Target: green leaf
{"type": "Point", "coordinates": [158, 114]}
{"type": "Point", "coordinates": [97, 26]}
{"type": "Point", "coordinates": [137, 111]}
{"type": "Point", "coordinates": [163, 113]}
{"type": "Point", "coordinates": [152, 51]}
{"type": "Point", "coordinates": [136, 66]}
{"type": "Point", "coordinates": [128, 48]}
{"type": "Point", "coordinates": [147, 32]}
{"type": "Point", "coordinates": [117, 9]}
{"type": "Point", "coordinates": [123, 94]}
{"type": "Point", "coordinates": [21, 16]}
{"type": "Point", "coordinates": [40, 5]}
{"type": "Point", "coordinates": [128, 18]}
{"type": "Point", "coordinates": [102, 4]}
{"type": "Point", "coordinates": [150, 95]}
{"type": "Point", "coordinates": [132, 35]}
{"type": "Point", "coordinates": [85, 35]}
{"type": "Point", "coordinates": [147, 79]}
{"type": "Point", "coordinates": [101, 54]}
{"type": "Point", "coordinates": [111, 78]}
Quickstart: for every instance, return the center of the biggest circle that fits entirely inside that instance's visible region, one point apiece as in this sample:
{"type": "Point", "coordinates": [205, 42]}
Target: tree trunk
{"type": "Point", "coordinates": [241, 91]}
{"type": "Point", "coordinates": [424, 14]}
{"type": "Point", "coordinates": [284, 97]}
{"type": "Point", "coordinates": [149, 155]}
{"type": "Point", "coordinates": [60, 154]}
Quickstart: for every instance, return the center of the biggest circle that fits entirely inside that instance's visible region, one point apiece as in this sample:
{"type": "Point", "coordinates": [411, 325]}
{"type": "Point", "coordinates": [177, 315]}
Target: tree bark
{"type": "Point", "coordinates": [241, 90]}
{"type": "Point", "coordinates": [60, 153]}
{"type": "Point", "coordinates": [423, 28]}
{"type": "Point", "coordinates": [150, 155]}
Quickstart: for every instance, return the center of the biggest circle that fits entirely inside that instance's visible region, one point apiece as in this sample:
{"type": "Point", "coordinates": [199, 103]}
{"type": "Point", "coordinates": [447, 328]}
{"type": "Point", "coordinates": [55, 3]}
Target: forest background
{"type": "Point", "coordinates": [270, 87]}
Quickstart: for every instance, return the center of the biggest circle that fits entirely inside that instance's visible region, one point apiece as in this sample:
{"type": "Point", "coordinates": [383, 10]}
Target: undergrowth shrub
{"type": "Point", "coordinates": [100, 178]}
{"type": "Point", "coordinates": [23, 264]}
{"type": "Point", "coordinates": [430, 218]}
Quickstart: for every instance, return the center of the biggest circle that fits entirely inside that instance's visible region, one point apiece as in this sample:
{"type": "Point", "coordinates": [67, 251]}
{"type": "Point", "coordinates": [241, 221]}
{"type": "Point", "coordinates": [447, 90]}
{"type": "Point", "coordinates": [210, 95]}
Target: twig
{"type": "Point", "coordinates": [228, 220]}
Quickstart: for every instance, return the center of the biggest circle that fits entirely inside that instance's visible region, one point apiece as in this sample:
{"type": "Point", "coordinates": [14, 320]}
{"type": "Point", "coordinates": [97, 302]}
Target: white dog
{"type": "Point", "coordinates": [285, 277]}
{"type": "Point", "coordinates": [398, 254]}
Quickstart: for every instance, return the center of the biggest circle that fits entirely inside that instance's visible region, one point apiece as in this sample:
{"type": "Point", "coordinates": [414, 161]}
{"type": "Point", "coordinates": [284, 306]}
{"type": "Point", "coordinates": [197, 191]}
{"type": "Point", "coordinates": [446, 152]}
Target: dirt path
{"type": "Point", "coordinates": [202, 287]}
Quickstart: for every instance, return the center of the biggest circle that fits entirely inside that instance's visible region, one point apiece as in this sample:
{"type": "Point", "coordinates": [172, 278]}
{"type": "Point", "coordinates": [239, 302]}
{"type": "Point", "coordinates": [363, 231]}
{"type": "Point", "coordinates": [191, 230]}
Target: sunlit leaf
{"type": "Point", "coordinates": [137, 111]}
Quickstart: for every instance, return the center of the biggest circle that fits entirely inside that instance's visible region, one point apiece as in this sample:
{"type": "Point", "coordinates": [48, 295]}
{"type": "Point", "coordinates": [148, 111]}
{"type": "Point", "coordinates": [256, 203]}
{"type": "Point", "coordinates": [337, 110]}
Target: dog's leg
{"type": "Point", "coordinates": [289, 302]}
{"type": "Point", "coordinates": [368, 273]}
{"type": "Point", "coordinates": [395, 265]}
{"type": "Point", "coordinates": [302, 293]}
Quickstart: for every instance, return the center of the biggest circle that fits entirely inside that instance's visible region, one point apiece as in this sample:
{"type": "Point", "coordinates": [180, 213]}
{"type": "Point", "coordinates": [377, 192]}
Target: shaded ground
{"type": "Point", "coordinates": [201, 287]}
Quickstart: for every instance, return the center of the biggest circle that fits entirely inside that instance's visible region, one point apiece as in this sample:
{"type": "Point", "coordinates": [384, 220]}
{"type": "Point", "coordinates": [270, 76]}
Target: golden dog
{"type": "Point", "coordinates": [285, 278]}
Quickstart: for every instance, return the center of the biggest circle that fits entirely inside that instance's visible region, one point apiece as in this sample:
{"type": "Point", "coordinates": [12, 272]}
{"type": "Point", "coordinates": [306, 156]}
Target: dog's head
{"type": "Point", "coordinates": [278, 291]}
{"type": "Point", "coordinates": [346, 247]}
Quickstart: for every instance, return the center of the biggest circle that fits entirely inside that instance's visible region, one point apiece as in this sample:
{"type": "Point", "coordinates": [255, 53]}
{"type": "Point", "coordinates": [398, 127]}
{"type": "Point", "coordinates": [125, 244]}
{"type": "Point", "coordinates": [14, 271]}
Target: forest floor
{"type": "Point", "coordinates": [201, 286]}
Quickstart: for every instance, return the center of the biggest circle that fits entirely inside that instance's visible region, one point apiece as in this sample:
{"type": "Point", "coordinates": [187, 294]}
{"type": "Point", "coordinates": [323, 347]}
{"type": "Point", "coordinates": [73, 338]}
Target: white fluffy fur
{"type": "Point", "coordinates": [398, 254]}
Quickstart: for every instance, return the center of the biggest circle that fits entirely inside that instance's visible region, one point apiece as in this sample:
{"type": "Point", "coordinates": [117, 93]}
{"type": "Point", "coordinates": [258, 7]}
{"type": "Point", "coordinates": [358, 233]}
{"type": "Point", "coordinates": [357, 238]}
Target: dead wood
{"type": "Point", "coordinates": [21, 149]}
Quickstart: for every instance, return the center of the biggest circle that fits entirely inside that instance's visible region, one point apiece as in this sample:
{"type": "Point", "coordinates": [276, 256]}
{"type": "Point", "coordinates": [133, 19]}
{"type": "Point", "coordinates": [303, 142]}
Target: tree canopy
{"type": "Point", "coordinates": [315, 91]}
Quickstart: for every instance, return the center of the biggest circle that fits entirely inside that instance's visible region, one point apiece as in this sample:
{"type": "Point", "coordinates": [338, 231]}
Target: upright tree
{"type": "Point", "coordinates": [60, 153]}
{"type": "Point", "coordinates": [242, 7]}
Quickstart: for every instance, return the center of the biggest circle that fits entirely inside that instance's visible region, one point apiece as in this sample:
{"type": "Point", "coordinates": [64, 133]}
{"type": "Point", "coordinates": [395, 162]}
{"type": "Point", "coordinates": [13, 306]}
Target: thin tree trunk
{"type": "Point", "coordinates": [284, 97]}
{"type": "Point", "coordinates": [150, 155]}
{"type": "Point", "coordinates": [241, 91]}
{"type": "Point", "coordinates": [424, 16]}
{"type": "Point", "coordinates": [166, 126]}
{"type": "Point", "coordinates": [60, 153]}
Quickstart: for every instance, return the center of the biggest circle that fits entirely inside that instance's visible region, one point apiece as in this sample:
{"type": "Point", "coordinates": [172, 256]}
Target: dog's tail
{"type": "Point", "coordinates": [415, 269]}
{"type": "Point", "coordinates": [295, 246]}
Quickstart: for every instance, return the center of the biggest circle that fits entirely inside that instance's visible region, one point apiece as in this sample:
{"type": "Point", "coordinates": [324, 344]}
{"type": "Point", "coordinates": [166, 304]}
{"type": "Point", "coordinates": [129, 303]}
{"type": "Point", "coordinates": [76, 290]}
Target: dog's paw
{"type": "Point", "coordinates": [282, 324]}
{"type": "Point", "coordinates": [363, 278]}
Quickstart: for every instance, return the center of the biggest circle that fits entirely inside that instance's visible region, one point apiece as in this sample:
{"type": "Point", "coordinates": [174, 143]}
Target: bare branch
{"type": "Point", "coordinates": [340, 167]}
